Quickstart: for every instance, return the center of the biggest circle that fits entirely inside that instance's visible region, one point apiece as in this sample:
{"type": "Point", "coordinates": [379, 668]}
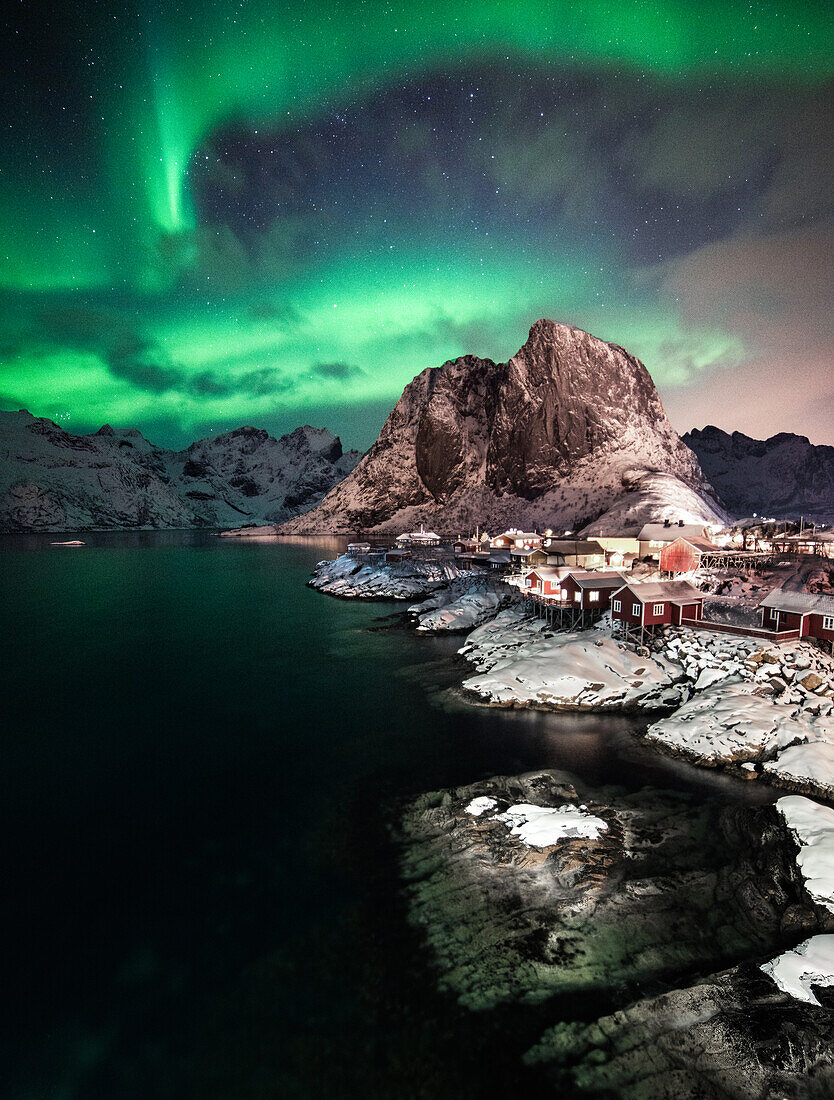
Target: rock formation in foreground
{"type": "Point", "coordinates": [565, 430]}
{"type": "Point", "coordinates": [785, 476]}
{"type": "Point", "coordinates": [616, 916]}
{"type": "Point", "coordinates": [51, 480]}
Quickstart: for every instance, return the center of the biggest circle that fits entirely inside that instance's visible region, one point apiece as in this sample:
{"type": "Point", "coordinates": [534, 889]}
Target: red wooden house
{"type": "Point", "coordinates": [811, 613]}
{"type": "Point", "coordinates": [590, 591]}
{"type": "Point", "coordinates": [545, 580]}
{"type": "Point", "coordinates": [684, 555]}
{"type": "Point", "coordinates": [661, 603]}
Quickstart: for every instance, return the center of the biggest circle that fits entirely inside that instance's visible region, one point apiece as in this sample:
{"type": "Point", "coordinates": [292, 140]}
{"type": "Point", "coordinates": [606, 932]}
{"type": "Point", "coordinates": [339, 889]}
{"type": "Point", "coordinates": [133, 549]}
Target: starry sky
{"type": "Point", "coordinates": [217, 213]}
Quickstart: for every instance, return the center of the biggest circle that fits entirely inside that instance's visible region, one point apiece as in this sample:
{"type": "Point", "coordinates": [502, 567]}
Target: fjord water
{"type": "Point", "coordinates": [202, 762]}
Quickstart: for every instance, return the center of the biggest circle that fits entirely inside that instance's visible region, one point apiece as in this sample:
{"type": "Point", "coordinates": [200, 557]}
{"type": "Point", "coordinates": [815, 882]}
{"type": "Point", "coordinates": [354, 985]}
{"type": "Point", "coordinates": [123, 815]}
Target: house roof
{"type": "Point", "coordinates": [659, 532]}
{"type": "Point", "coordinates": [573, 546]}
{"type": "Point", "coordinates": [525, 552]}
{"type": "Point", "coordinates": [676, 591]}
{"type": "Point", "coordinates": [587, 579]}
{"type": "Point", "coordinates": [803, 603]}
{"type": "Point", "coordinates": [699, 543]}
{"type": "Point", "coordinates": [549, 571]}
{"type": "Point", "coordinates": [511, 534]}
{"type": "Point", "coordinates": [500, 557]}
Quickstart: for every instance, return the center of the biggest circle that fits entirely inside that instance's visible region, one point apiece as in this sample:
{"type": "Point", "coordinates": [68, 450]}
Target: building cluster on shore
{"type": "Point", "coordinates": [643, 581]}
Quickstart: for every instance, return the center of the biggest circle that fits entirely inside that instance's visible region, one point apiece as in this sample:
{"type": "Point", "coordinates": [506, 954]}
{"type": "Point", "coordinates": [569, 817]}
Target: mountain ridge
{"type": "Point", "coordinates": [785, 476]}
{"type": "Point", "coordinates": [114, 478]}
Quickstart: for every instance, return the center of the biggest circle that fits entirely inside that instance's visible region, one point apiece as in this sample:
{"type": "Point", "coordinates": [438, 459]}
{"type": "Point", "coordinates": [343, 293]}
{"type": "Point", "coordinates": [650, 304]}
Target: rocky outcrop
{"type": "Point", "coordinates": [523, 662]}
{"type": "Point", "coordinates": [52, 480]}
{"type": "Point", "coordinates": [351, 578]}
{"type": "Point", "coordinates": [558, 434]}
{"type": "Point", "coordinates": [628, 895]}
{"type": "Point", "coordinates": [785, 476]}
{"type": "Point", "coordinates": [732, 1034]}
{"type": "Point", "coordinates": [656, 887]}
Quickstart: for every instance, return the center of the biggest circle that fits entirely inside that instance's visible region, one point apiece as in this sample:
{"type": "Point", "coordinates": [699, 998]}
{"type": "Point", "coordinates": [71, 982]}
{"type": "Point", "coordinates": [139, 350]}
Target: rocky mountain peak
{"type": "Point", "coordinates": [529, 437]}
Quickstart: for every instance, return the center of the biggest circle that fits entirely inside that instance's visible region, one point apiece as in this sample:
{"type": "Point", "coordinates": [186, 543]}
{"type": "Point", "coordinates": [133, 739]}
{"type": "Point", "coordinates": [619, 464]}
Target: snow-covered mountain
{"type": "Point", "coordinates": [51, 480]}
{"type": "Point", "coordinates": [568, 428]}
{"type": "Point", "coordinates": [785, 476]}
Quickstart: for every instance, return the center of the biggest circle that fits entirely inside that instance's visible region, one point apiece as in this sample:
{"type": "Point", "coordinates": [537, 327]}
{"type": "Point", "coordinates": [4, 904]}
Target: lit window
{"type": "Point", "coordinates": [617, 605]}
{"type": "Point", "coordinates": [658, 608]}
{"type": "Point", "coordinates": [593, 597]}
{"type": "Point", "coordinates": [635, 609]}
{"type": "Point", "coordinates": [828, 622]}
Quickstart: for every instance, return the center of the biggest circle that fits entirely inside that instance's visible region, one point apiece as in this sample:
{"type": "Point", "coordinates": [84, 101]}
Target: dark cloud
{"type": "Point", "coordinates": [336, 370]}
{"type": "Point", "coordinates": [256, 383]}
{"type": "Point", "coordinates": [144, 365]}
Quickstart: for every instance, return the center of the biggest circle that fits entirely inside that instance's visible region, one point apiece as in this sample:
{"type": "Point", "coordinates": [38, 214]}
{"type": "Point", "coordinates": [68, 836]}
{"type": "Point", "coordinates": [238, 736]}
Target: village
{"type": "Point", "coordinates": [662, 577]}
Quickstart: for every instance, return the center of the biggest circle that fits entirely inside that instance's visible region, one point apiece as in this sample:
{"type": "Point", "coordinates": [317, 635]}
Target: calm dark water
{"type": "Point", "coordinates": [201, 761]}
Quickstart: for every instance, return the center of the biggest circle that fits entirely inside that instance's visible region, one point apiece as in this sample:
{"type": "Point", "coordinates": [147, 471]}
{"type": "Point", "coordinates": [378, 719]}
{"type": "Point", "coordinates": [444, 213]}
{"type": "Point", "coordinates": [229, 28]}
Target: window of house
{"type": "Point", "coordinates": [828, 622]}
{"type": "Point", "coordinates": [617, 605]}
{"type": "Point", "coordinates": [635, 609]}
{"type": "Point", "coordinates": [593, 597]}
{"type": "Point", "coordinates": [774, 614]}
{"type": "Point", "coordinates": [658, 608]}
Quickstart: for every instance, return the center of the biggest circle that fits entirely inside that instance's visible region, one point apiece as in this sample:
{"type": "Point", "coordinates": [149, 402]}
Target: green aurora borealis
{"type": "Point", "coordinates": [224, 213]}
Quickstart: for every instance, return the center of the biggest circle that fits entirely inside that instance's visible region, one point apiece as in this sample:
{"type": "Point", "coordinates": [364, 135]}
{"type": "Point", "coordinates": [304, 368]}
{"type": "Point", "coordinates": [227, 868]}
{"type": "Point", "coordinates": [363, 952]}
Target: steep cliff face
{"type": "Point", "coordinates": [553, 437]}
{"type": "Point", "coordinates": [784, 476]}
{"type": "Point", "coordinates": [52, 480]}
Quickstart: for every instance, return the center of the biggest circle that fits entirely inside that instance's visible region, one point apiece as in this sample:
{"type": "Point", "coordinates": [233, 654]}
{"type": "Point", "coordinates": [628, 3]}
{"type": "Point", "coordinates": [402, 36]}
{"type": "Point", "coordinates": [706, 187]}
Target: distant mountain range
{"type": "Point", "coordinates": [570, 432]}
{"type": "Point", "coordinates": [785, 476]}
{"type": "Point", "coordinates": [52, 480]}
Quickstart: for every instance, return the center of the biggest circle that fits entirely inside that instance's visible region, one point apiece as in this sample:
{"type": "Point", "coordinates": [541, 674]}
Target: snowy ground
{"type": "Point", "coordinates": [754, 703]}
{"type": "Point", "coordinates": [523, 662]}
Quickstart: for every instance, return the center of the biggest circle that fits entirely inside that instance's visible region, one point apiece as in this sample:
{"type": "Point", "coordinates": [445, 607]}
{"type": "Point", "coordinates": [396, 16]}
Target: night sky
{"type": "Point", "coordinates": [223, 213]}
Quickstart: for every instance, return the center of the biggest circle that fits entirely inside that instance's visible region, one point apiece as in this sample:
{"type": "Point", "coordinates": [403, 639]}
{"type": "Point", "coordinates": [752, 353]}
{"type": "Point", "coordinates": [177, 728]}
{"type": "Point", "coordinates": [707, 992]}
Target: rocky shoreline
{"type": "Point", "coordinates": [686, 947]}
{"type": "Point", "coordinates": [755, 709]}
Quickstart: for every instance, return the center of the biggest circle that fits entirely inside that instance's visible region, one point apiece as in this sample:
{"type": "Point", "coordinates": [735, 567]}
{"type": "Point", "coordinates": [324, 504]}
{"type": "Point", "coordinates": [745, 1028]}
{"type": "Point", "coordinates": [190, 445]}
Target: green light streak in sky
{"type": "Point", "coordinates": [261, 62]}
{"type": "Point", "coordinates": [383, 323]}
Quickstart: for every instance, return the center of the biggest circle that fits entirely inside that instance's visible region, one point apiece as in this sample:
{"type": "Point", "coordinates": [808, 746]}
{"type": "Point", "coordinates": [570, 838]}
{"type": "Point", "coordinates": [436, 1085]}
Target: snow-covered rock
{"type": "Point", "coordinates": [352, 579]}
{"type": "Point", "coordinates": [813, 828]}
{"type": "Point", "coordinates": [463, 613]}
{"type": "Point", "coordinates": [523, 663]}
{"type": "Point", "coordinates": [543, 826]}
{"type": "Point", "coordinates": [569, 426]}
{"type": "Point", "coordinates": [812, 963]}
{"type": "Point", "coordinates": [728, 723]}
{"type": "Point", "coordinates": [52, 480]}
{"type": "Point", "coordinates": [807, 767]}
